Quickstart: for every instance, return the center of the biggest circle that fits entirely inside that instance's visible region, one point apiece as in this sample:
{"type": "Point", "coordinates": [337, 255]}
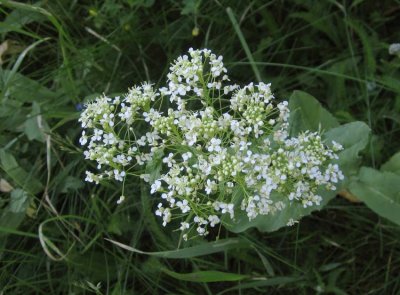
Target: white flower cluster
{"type": "Point", "coordinates": [394, 49]}
{"type": "Point", "coordinates": [226, 148]}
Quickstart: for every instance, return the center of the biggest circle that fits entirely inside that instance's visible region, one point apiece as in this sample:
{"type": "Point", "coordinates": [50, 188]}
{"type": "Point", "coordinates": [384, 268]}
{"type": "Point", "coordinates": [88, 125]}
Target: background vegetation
{"type": "Point", "coordinates": [57, 54]}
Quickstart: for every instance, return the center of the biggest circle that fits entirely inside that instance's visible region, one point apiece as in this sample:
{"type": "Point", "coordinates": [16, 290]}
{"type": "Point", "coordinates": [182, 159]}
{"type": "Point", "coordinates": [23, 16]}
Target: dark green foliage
{"type": "Point", "coordinates": [55, 230]}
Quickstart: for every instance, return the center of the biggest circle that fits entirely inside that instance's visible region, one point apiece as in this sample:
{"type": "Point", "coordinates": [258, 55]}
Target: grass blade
{"type": "Point", "coordinates": [206, 276]}
{"type": "Point", "coordinates": [195, 251]}
{"type": "Point", "coordinates": [244, 44]}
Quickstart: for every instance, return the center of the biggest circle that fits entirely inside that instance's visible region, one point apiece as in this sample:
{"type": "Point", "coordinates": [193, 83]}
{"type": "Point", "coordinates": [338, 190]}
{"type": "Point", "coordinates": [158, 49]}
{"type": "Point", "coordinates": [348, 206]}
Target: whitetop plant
{"type": "Point", "coordinates": [226, 148]}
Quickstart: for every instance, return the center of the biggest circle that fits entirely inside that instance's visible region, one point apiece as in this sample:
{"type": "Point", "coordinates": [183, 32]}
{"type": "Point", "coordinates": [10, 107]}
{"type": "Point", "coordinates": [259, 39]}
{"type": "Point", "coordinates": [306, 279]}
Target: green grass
{"type": "Point", "coordinates": [65, 52]}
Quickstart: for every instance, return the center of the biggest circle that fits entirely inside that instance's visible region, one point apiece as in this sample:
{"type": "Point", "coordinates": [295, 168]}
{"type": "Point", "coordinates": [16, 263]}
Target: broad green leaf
{"type": "Point", "coordinates": [272, 222]}
{"type": "Point", "coordinates": [35, 125]}
{"type": "Point", "coordinates": [393, 164]}
{"type": "Point", "coordinates": [195, 251]}
{"type": "Point", "coordinates": [354, 138]}
{"type": "Point", "coordinates": [12, 215]}
{"type": "Point", "coordinates": [308, 114]}
{"type": "Point", "coordinates": [70, 183]}
{"type": "Point", "coordinates": [12, 116]}
{"type": "Point", "coordinates": [27, 181]}
{"type": "Point", "coordinates": [380, 191]}
{"type": "Point", "coordinates": [206, 276]}
{"type": "Point", "coordinates": [24, 89]}
{"type": "Point", "coordinates": [19, 201]}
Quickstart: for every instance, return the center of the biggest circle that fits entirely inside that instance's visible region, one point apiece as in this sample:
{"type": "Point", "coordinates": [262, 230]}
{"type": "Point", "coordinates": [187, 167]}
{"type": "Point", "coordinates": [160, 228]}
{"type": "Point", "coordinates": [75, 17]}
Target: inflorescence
{"type": "Point", "coordinates": [218, 140]}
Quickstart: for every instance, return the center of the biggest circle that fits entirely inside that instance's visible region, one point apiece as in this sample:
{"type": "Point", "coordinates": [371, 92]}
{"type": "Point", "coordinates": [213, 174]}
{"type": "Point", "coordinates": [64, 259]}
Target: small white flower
{"type": "Point", "coordinates": [121, 199]}
{"type": "Point", "coordinates": [184, 226]}
{"type": "Point", "coordinates": [141, 141]}
{"type": "Point", "coordinates": [169, 161]}
{"type": "Point", "coordinates": [291, 222]}
{"type": "Point", "coordinates": [201, 231]}
{"type": "Point", "coordinates": [394, 48]}
{"type": "Point", "coordinates": [214, 220]}
{"type": "Point", "coordinates": [109, 139]}
{"type": "Point", "coordinates": [155, 186]}
{"type": "Point", "coordinates": [214, 145]}
{"type": "Point", "coordinates": [119, 175]}
{"type": "Point", "coordinates": [160, 210]}
{"type": "Point", "coordinates": [183, 205]}
{"type": "Point", "coordinates": [145, 177]}
{"type": "Point", "coordinates": [186, 156]}
{"type": "Point", "coordinates": [210, 186]}
{"type": "Point", "coordinates": [83, 139]}
{"type": "Point", "coordinates": [336, 146]}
